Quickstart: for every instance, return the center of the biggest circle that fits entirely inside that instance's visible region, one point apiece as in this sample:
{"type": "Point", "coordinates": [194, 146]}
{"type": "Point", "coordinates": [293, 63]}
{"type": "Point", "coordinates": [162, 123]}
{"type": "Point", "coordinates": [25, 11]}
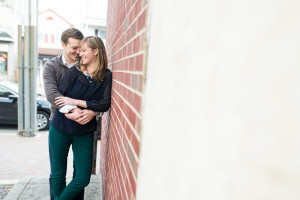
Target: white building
{"type": "Point", "coordinates": [8, 40]}
{"type": "Point", "coordinates": [50, 27]}
{"type": "Point", "coordinates": [95, 26]}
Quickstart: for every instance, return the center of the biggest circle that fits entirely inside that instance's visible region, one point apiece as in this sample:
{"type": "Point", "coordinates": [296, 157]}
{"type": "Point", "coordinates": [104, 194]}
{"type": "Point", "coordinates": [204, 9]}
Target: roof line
{"type": "Point", "coordinates": [49, 9]}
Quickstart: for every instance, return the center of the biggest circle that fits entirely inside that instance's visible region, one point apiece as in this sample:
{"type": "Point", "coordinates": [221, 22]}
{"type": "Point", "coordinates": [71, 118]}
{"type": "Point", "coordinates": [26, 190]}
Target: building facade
{"type": "Point", "coordinates": [8, 40]}
{"type": "Point", "coordinates": [95, 26]}
{"type": "Point", "coordinates": [50, 27]}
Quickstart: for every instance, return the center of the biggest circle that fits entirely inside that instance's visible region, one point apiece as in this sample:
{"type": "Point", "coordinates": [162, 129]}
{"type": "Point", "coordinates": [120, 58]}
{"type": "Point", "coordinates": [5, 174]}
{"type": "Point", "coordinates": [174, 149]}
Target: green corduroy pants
{"type": "Point", "coordinates": [82, 146]}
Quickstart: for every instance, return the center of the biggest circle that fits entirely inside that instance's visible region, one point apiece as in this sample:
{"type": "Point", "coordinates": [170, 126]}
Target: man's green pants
{"type": "Point", "coordinates": [82, 146]}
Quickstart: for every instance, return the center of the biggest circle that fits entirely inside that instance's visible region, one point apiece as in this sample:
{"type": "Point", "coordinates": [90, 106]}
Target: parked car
{"type": "Point", "coordinates": [9, 107]}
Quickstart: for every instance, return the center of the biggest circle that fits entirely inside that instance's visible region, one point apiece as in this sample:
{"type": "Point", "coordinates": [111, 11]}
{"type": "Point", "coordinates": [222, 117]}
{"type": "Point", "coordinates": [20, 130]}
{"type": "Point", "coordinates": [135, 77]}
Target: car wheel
{"type": "Point", "coordinates": [42, 121]}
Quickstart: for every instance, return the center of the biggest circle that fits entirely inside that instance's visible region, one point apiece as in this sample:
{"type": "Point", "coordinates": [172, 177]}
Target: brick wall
{"type": "Point", "coordinates": [126, 50]}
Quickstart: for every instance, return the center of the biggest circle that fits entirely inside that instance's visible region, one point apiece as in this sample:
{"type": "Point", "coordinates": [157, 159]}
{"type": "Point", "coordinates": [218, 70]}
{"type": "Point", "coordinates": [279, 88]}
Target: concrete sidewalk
{"type": "Point", "coordinates": [38, 189]}
{"type": "Point", "coordinates": [23, 157]}
{"type": "Point", "coordinates": [25, 164]}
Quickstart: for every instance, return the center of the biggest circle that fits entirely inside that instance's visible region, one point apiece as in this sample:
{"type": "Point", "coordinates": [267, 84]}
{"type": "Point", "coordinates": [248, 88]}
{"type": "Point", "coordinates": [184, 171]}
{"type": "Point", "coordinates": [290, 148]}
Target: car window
{"type": "Point", "coordinates": [4, 92]}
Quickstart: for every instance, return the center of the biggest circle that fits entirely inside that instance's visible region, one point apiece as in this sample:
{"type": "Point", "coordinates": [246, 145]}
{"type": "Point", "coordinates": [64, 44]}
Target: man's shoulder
{"type": "Point", "coordinates": [53, 62]}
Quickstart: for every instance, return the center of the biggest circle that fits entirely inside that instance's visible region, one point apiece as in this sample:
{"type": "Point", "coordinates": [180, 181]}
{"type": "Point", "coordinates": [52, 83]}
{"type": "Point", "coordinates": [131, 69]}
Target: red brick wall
{"type": "Point", "coordinates": [126, 50]}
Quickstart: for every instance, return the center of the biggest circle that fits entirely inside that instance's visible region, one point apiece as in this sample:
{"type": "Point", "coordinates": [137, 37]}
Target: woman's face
{"type": "Point", "coordinates": [87, 54]}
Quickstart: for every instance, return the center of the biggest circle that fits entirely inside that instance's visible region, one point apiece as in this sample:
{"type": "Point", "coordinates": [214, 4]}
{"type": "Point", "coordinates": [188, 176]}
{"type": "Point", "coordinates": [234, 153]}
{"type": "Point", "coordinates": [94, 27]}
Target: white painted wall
{"type": "Point", "coordinates": [51, 27]}
{"type": "Point", "coordinates": [8, 24]}
{"type": "Point", "coordinates": [221, 109]}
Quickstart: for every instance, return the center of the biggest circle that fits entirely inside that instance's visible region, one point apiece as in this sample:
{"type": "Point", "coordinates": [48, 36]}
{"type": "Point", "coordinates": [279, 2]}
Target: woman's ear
{"type": "Point", "coordinates": [95, 52]}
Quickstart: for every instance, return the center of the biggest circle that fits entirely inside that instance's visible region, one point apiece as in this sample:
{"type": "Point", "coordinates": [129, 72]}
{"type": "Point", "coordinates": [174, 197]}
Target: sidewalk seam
{"type": "Point", "coordinates": [24, 187]}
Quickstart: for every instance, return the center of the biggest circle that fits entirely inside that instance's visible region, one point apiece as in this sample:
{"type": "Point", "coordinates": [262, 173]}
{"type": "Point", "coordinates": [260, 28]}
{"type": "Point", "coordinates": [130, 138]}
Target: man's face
{"type": "Point", "coordinates": [71, 50]}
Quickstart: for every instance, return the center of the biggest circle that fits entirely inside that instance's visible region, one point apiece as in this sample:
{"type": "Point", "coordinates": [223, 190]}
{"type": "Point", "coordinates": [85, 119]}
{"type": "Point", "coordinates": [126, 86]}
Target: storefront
{"type": "Point", "coordinates": [3, 63]}
{"type": "Point", "coordinates": [8, 57]}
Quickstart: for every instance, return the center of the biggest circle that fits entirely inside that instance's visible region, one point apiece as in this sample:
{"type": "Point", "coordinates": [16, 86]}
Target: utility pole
{"type": "Point", "coordinates": [27, 61]}
{"type": "Point", "coordinates": [21, 120]}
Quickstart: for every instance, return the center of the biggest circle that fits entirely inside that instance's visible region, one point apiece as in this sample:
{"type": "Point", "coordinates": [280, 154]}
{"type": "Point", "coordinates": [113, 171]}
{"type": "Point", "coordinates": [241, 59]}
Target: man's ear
{"type": "Point", "coordinates": [63, 45]}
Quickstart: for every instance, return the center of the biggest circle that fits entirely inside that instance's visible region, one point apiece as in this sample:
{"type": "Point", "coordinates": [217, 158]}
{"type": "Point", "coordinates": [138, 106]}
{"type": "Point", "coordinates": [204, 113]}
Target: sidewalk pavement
{"type": "Point", "coordinates": [25, 164]}
{"type": "Point", "coordinates": [38, 189]}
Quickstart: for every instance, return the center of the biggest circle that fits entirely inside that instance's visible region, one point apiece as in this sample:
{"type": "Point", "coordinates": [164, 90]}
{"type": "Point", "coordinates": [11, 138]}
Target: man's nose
{"type": "Point", "coordinates": [78, 51]}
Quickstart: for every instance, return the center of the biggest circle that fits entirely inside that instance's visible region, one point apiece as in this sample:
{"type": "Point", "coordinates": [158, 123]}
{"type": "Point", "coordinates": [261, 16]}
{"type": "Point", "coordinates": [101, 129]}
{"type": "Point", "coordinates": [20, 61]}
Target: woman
{"type": "Point", "coordinates": [87, 85]}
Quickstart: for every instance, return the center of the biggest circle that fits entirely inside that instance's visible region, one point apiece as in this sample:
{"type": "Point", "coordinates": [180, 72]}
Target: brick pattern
{"type": "Point", "coordinates": [126, 50]}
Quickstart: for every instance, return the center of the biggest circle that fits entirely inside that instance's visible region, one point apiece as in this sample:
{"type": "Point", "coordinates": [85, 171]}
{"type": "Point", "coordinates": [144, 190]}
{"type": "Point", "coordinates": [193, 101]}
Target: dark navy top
{"type": "Point", "coordinates": [97, 95]}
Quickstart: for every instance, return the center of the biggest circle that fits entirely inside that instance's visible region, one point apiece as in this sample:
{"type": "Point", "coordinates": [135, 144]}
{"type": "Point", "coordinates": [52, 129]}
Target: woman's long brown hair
{"type": "Point", "coordinates": [96, 43]}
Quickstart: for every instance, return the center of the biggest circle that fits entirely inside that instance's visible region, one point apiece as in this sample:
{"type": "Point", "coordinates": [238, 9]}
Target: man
{"type": "Point", "coordinates": [53, 73]}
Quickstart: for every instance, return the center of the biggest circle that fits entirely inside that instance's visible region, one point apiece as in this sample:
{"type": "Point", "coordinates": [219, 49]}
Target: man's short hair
{"type": "Point", "coordinates": [71, 33]}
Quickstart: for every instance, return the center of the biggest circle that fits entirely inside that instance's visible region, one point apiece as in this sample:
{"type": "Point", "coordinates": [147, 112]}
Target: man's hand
{"type": "Point", "coordinates": [75, 115]}
{"type": "Point", "coordinates": [81, 116]}
{"type": "Point", "coordinates": [86, 116]}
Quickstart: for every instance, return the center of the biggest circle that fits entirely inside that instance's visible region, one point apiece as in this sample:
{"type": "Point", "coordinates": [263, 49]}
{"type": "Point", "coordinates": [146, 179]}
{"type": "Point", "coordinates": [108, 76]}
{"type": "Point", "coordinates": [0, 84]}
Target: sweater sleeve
{"type": "Point", "coordinates": [103, 104]}
{"type": "Point", "coordinates": [50, 83]}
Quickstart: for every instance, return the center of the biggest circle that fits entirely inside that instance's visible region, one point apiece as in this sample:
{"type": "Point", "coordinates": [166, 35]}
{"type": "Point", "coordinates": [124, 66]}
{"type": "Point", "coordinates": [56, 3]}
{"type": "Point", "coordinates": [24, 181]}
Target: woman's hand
{"type": "Point", "coordinates": [62, 101]}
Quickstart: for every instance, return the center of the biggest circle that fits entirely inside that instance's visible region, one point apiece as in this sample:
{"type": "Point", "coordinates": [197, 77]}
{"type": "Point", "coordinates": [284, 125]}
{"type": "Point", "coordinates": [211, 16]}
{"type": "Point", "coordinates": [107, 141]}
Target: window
{"type": "Point", "coordinates": [46, 38]}
{"type": "Point", "coordinates": [49, 18]}
{"type": "Point", "coordinates": [96, 32]}
{"type": "Point", "coordinates": [4, 93]}
{"type": "Point", "coordinates": [3, 62]}
{"type": "Point", "coordinates": [102, 34]}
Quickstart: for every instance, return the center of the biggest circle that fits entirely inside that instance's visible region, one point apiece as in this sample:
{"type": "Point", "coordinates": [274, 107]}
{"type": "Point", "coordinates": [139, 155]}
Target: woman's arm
{"type": "Point", "coordinates": [62, 101]}
{"type": "Point", "coordinates": [104, 103]}
{"type": "Point", "coordinates": [98, 106]}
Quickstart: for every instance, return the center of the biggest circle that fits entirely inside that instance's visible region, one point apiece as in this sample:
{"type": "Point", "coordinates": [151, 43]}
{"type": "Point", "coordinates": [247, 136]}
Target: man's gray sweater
{"type": "Point", "coordinates": [53, 72]}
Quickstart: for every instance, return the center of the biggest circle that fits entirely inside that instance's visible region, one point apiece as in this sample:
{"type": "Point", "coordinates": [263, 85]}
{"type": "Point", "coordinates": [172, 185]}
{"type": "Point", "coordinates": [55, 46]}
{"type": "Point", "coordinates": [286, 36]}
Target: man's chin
{"type": "Point", "coordinates": [76, 57]}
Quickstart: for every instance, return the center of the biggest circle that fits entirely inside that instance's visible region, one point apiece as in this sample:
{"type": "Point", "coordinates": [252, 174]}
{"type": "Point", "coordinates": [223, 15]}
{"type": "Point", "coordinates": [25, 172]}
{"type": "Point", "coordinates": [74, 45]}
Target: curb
{"type": "Point", "coordinates": [9, 182]}
{"type": "Point", "coordinates": [17, 189]}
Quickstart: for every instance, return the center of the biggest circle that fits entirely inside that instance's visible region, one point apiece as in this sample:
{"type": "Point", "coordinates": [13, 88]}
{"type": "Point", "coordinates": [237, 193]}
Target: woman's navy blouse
{"type": "Point", "coordinates": [97, 95]}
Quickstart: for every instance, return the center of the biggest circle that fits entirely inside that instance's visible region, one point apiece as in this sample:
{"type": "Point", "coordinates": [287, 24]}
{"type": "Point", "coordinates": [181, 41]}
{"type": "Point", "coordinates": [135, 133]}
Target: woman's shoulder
{"type": "Point", "coordinates": [71, 73]}
{"type": "Point", "coordinates": [74, 69]}
{"type": "Point", "coordinates": [108, 73]}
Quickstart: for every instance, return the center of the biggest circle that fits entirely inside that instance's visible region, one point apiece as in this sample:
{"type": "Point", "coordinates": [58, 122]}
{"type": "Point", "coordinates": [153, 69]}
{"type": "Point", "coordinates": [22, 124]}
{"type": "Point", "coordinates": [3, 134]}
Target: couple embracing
{"type": "Point", "coordinates": [78, 90]}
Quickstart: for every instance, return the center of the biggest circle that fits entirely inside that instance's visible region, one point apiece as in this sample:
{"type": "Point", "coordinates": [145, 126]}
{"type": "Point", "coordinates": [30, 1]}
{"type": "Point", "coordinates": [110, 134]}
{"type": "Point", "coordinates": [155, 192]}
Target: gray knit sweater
{"type": "Point", "coordinates": [53, 72]}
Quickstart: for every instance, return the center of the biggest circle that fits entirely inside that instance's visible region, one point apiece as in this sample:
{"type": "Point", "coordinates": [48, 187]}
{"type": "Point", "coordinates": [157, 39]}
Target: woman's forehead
{"type": "Point", "coordinates": [83, 45]}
